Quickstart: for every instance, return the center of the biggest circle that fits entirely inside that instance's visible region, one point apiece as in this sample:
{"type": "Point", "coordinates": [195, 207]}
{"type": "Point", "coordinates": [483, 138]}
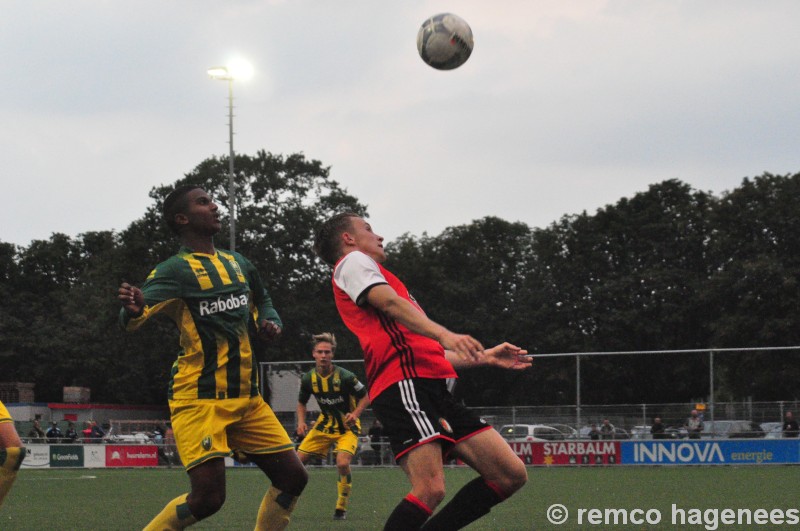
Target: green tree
{"type": "Point", "coordinates": [754, 289]}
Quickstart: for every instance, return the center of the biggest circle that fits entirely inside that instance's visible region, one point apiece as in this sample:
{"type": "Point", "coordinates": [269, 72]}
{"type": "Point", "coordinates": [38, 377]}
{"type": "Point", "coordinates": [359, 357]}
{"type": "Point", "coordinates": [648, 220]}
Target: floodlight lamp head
{"type": "Point", "coordinates": [220, 72]}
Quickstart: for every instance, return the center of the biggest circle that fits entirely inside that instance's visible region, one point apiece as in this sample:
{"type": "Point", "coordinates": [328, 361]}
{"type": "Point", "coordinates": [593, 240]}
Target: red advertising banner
{"type": "Point", "coordinates": [140, 455]}
{"type": "Point", "coordinates": [568, 452]}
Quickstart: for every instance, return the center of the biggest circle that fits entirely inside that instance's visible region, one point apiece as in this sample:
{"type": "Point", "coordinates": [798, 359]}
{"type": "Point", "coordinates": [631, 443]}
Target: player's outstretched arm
{"type": "Point", "coordinates": [386, 299]}
{"type": "Point", "coordinates": [504, 355]}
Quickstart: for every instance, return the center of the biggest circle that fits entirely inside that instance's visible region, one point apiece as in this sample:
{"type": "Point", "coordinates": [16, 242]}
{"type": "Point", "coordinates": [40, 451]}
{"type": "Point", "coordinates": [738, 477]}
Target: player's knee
{"type": "Point", "coordinates": [205, 504]}
{"type": "Point", "coordinates": [514, 479]}
{"type": "Point", "coordinates": [343, 466]}
{"type": "Point", "coordinates": [11, 458]}
{"type": "Point", "coordinates": [293, 480]}
{"type": "Point", "coordinates": [433, 493]}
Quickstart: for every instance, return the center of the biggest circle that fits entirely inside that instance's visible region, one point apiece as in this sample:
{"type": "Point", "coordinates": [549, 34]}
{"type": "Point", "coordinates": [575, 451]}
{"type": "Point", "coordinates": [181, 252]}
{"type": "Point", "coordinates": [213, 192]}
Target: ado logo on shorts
{"type": "Point", "coordinates": [206, 443]}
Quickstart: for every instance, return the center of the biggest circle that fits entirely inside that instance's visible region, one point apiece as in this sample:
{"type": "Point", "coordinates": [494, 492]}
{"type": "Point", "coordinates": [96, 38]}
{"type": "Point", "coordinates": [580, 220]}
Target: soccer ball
{"type": "Point", "coordinates": [445, 41]}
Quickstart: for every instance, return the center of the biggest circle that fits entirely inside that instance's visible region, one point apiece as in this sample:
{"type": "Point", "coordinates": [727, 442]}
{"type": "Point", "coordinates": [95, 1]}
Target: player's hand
{"type": "Point", "coordinates": [507, 356]}
{"type": "Point", "coordinates": [131, 298]}
{"type": "Point", "coordinates": [302, 429]}
{"type": "Point", "coordinates": [466, 347]}
{"type": "Point", "coordinates": [268, 331]}
{"type": "Point", "coordinates": [350, 419]}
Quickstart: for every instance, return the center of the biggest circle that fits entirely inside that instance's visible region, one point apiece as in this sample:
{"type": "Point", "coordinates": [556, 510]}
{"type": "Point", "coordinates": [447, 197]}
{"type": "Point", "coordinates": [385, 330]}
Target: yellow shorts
{"type": "Point", "coordinates": [209, 428]}
{"type": "Point", "coordinates": [318, 443]}
{"type": "Point", "coordinates": [5, 416]}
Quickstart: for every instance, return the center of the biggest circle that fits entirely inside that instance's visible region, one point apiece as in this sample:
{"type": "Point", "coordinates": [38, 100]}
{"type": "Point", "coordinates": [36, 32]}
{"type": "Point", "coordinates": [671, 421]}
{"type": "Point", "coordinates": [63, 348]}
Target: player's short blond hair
{"type": "Point", "coordinates": [324, 337]}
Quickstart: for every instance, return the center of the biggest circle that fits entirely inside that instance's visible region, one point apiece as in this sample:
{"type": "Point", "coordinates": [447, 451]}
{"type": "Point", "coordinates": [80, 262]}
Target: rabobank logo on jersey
{"type": "Point", "coordinates": [232, 302]}
{"type": "Point", "coordinates": [330, 401]}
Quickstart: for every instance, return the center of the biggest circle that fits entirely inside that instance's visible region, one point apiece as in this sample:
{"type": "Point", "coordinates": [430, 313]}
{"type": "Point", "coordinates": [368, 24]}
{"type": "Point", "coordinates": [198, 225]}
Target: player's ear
{"type": "Point", "coordinates": [348, 238]}
{"type": "Point", "coordinates": [181, 220]}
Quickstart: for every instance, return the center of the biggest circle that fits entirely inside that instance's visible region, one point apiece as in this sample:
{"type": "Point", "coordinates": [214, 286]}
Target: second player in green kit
{"type": "Point", "coordinates": [342, 399]}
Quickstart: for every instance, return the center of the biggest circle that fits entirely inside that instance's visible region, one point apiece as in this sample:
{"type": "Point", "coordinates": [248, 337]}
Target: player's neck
{"type": "Point", "coordinates": [325, 371]}
{"type": "Point", "coordinates": [198, 243]}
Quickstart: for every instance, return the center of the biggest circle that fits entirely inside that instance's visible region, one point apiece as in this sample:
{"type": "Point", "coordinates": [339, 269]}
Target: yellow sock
{"type": "Point", "coordinates": [275, 510]}
{"type": "Point", "coordinates": [343, 486]}
{"type": "Point", "coordinates": [174, 516]}
{"type": "Point", "coordinates": [10, 460]}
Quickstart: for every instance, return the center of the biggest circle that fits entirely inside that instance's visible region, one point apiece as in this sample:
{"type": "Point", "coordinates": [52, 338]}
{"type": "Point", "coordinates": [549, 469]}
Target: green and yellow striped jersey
{"type": "Point", "coordinates": [211, 299]}
{"type": "Point", "coordinates": [337, 395]}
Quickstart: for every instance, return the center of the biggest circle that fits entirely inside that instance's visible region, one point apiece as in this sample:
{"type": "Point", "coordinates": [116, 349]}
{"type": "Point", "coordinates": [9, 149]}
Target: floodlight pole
{"type": "Point", "coordinates": [224, 74]}
{"type": "Point", "coordinates": [231, 183]}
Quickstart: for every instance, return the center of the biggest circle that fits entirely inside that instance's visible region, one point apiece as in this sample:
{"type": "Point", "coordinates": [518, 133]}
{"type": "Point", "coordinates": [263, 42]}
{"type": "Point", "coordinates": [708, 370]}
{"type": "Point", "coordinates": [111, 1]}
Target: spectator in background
{"type": "Point", "coordinates": [694, 425]}
{"type": "Point", "coordinates": [790, 427]}
{"type": "Point", "coordinates": [607, 430]}
{"type": "Point", "coordinates": [87, 432]}
{"type": "Point", "coordinates": [594, 433]}
{"type": "Point", "coordinates": [54, 433]}
{"type": "Point", "coordinates": [71, 435]}
{"type": "Point", "coordinates": [36, 431]}
{"type": "Point", "coordinates": [92, 433]}
{"type": "Point", "coordinates": [658, 429]}
{"type": "Point", "coordinates": [97, 432]}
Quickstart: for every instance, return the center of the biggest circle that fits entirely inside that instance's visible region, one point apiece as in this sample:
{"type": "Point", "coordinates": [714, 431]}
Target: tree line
{"type": "Point", "coordinates": [669, 268]}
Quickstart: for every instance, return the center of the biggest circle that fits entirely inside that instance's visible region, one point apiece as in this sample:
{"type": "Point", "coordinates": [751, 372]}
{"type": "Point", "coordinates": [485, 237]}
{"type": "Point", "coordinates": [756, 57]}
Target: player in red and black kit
{"type": "Point", "coordinates": [408, 359]}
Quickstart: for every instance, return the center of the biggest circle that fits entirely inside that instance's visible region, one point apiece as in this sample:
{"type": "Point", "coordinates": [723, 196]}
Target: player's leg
{"type": "Point", "coordinates": [289, 478]}
{"type": "Point", "coordinates": [263, 439]}
{"type": "Point", "coordinates": [501, 474]}
{"type": "Point", "coordinates": [417, 432]}
{"type": "Point", "coordinates": [206, 421]}
{"type": "Point", "coordinates": [346, 449]}
{"type": "Point", "coordinates": [206, 498]}
{"type": "Point", "coordinates": [316, 444]}
{"type": "Point", "coordinates": [425, 470]}
{"type": "Point", "coordinates": [11, 452]}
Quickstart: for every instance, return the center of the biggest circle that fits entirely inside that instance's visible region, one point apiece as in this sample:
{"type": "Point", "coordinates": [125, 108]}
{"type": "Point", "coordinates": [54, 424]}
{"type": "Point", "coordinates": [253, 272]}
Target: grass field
{"type": "Point", "coordinates": [108, 499]}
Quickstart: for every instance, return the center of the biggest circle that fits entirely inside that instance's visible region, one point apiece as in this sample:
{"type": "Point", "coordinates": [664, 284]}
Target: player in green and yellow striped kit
{"type": "Point", "coordinates": [342, 399]}
{"type": "Point", "coordinates": [212, 296]}
{"type": "Point", "coordinates": [12, 452]}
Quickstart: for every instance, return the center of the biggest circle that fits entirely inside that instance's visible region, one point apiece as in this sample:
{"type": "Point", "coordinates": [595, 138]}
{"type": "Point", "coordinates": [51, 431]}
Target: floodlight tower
{"type": "Point", "coordinates": [240, 70]}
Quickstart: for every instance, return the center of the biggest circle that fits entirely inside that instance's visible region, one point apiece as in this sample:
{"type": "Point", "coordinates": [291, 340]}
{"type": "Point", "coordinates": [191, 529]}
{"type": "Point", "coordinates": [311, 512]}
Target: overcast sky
{"type": "Point", "coordinates": [564, 106]}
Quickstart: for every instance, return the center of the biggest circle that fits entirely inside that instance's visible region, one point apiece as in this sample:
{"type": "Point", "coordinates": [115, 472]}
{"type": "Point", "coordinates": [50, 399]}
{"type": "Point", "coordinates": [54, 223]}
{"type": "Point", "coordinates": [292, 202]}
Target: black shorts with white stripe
{"type": "Point", "coordinates": [421, 410]}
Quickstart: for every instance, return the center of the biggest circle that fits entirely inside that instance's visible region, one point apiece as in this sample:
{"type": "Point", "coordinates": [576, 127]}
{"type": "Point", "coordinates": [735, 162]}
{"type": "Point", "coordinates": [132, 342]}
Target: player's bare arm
{"type": "Point", "coordinates": [302, 427]}
{"type": "Point", "coordinates": [131, 298]}
{"type": "Point", "coordinates": [354, 415]}
{"type": "Point", "coordinates": [504, 356]}
{"type": "Point", "coordinates": [386, 299]}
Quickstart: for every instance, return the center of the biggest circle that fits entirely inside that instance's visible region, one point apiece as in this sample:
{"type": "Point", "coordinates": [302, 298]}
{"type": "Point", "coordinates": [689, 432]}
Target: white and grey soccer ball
{"type": "Point", "coordinates": [444, 41]}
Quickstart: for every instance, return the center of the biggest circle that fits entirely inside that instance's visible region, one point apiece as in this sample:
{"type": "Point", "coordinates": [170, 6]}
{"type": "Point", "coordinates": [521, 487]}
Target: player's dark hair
{"type": "Point", "coordinates": [324, 337]}
{"type": "Point", "coordinates": [327, 242]}
{"type": "Point", "coordinates": [175, 203]}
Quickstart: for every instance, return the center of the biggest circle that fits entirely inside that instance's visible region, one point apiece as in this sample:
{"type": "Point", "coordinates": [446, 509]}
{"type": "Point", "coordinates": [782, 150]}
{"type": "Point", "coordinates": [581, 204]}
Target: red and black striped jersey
{"type": "Point", "coordinates": [392, 352]}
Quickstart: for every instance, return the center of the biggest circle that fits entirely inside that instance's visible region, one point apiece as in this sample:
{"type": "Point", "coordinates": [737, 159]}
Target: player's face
{"type": "Point", "coordinates": [202, 214]}
{"type": "Point", "coordinates": [323, 354]}
{"type": "Point", "coordinates": [366, 240]}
